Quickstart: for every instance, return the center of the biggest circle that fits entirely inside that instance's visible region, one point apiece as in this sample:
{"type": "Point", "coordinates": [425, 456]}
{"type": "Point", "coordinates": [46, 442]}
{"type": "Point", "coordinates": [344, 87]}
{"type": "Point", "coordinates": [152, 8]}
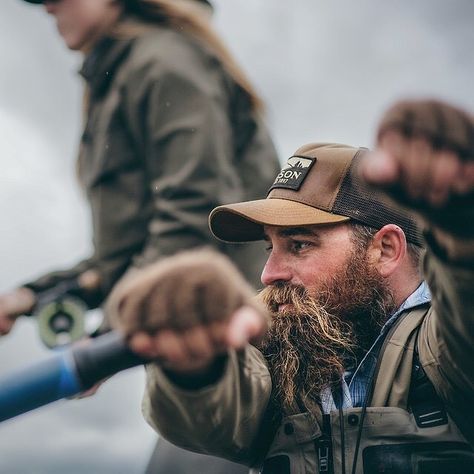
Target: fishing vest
{"type": "Point", "coordinates": [402, 431]}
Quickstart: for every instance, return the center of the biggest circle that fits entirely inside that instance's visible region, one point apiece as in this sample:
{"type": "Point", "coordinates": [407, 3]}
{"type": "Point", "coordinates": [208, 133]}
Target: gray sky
{"type": "Point", "coordinates": [327, 69]}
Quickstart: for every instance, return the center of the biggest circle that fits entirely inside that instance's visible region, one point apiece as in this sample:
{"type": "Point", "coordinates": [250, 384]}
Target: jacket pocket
{"type": "Point", "coordinates": [293, 449]}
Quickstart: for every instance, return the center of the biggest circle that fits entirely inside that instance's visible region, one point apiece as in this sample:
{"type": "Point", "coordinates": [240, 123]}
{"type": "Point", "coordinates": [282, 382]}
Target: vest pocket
{"type": "Point", "coordinates": [293, 448]}
{"type": "Point", "coordinates": [419, 458]}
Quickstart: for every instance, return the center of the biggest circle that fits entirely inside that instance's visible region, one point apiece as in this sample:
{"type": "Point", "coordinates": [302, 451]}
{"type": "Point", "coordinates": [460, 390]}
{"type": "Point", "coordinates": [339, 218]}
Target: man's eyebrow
{"type": "Point", "coordinates": [292, 231]}
{"type": "Point", "coordinates": [295, 231]}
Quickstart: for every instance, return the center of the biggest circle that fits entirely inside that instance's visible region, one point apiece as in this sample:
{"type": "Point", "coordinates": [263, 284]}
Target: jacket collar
{"type": "Point", "coordinates": [101, 63]}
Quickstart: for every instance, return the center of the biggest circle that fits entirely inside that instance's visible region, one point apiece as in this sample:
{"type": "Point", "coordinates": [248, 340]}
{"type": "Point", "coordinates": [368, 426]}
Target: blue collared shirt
{"type": "Point", "coordinates": [355, 383]}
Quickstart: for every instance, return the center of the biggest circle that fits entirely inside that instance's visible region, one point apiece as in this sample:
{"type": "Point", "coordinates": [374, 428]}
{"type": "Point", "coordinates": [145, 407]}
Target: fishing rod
{"type": "Point", "coordinates": [67, 373]}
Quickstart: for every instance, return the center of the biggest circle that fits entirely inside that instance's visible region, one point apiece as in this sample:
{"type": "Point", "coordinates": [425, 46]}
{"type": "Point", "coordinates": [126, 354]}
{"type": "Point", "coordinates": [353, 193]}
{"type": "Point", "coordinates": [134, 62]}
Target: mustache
{"type": "Point", "coordinates": [282, 293]}
{"type": "Point", "coordinates": [331, 331]}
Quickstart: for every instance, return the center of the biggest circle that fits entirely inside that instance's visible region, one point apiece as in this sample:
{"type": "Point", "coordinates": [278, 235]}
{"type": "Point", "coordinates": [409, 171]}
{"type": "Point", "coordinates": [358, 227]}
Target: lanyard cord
{"type": "Point", "coordinates": [362, 417]}
{"type": "Point", "coordinates": [341, 431]}
{"type": "Point", "coordinates": [338, 397]}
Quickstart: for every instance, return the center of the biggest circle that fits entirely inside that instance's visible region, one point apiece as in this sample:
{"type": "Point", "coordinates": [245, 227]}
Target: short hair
{"type": "Point", "coordinates": [363, 235]}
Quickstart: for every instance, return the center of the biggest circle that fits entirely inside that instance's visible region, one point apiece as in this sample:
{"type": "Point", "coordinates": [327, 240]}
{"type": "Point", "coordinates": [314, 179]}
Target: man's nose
{"type": "Point", "coordinates": [275, 270]}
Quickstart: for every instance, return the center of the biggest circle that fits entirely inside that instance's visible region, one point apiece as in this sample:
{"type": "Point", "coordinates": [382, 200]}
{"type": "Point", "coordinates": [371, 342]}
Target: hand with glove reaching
{"type": "Point", "coordinates": [424, 160]}
{"type": "Point", "coordinates": [425, 154]}
{"type": "Point", "coordinates": [187, 310]}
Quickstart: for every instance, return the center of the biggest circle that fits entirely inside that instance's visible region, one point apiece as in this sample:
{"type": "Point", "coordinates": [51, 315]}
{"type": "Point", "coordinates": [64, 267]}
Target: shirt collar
{"type": "Point", "coordinates": [419, 297]}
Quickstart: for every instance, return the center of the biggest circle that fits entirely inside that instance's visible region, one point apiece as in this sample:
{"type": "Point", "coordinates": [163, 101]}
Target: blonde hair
{"type": "Point", "coordinates": [190, 17]}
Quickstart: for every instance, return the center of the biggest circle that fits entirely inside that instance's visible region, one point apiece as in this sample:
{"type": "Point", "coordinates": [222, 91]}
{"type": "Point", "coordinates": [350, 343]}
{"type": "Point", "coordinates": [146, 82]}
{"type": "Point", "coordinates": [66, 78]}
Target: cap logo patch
{"type": "Point", "coordinates": [293, 173]}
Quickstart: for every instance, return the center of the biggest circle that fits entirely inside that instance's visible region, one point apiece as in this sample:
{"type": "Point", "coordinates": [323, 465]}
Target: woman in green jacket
{"type": "Point", "coordinates": [173, 129]}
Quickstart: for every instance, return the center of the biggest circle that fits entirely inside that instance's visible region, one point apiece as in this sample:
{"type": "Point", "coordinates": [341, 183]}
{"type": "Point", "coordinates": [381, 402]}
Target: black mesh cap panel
{"type": "Point", "coordinates": [357, 201]}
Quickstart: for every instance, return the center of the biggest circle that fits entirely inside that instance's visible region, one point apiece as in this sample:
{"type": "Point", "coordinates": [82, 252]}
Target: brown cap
{"type": "Point", "coordinates": [317, 185]}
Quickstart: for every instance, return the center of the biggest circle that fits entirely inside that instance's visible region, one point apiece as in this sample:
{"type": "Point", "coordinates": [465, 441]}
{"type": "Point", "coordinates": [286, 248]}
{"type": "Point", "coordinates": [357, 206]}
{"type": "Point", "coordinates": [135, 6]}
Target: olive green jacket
{"type": "Point", "coordinates": [169, 136]}
{"type": "Point", "coordinates": [231, 417]}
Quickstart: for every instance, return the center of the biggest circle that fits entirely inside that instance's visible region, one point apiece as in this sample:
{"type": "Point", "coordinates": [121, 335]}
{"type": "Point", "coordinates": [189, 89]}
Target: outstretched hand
{"type": "Point", "coordinates": [194, 350]}
{"type": "Point", "coordinates": [14, 304]}
{"type": "Point", "coordinates": [186, 310]}
{"type": "Point", "coordinates": [424, 154]}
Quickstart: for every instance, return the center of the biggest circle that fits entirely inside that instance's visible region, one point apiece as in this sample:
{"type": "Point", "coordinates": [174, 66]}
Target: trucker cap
{"type": "Point", "coordinates": [317, 185]}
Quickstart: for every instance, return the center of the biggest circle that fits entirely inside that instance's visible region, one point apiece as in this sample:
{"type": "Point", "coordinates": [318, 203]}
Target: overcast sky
{"type": "Point", "coordinates": [327, 69]}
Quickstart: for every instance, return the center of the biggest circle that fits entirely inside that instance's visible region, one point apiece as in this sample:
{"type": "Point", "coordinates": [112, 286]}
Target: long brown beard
{"type": "Point", "coordinates": [309, 346]}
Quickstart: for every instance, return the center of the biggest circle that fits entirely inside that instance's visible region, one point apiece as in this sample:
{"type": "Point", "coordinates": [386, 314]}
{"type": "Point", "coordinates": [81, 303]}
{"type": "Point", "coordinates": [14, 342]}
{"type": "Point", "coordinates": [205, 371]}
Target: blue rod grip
{"type": "Point", "coordinates": [38, 384]}
{"type": "Point", "coordinates": [67, 373]}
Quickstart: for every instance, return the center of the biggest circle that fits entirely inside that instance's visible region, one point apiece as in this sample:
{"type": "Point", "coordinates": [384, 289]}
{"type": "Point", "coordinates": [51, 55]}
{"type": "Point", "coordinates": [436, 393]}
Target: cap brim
{"type": "Point", "coordinates": [36, 2]}
{"type": "Point", "coordinates": [244, 221]}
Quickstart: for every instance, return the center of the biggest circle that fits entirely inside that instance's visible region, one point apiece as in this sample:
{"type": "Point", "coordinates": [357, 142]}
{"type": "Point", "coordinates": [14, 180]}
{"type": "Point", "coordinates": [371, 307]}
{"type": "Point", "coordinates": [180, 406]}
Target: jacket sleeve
{"type": "Point", "coordinates": [446, 339]}
{"type": "Point", "coordinates": [68, 278]}
{"type": "Point", "coordinates": [180, 123]}
{"type": "Point", "coordinates": [226, 419]}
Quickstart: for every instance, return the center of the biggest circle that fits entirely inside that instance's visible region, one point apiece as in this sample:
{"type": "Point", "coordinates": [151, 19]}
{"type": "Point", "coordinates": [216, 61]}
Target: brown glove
{"type": "Point", "coordinates": [189, 289]}
{"type": "Point", "coordinates": [425, 161]}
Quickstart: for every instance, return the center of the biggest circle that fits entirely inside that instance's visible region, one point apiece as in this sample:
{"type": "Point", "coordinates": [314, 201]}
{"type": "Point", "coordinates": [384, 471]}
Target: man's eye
{"type": "Point", "coordinates": [298, 245]}
{"type": "Point", "coordinates": [269, 248]}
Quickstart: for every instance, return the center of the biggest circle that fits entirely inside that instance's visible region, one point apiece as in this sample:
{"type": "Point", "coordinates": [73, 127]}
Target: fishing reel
{"type": "Point", "coordinates": [61, 321]}
{"type": "Point", "coordinates": [61, 314]}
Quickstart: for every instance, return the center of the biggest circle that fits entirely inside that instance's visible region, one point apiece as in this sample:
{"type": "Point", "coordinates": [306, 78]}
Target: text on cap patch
{"type": "Point", "coordinates": [293, 173]}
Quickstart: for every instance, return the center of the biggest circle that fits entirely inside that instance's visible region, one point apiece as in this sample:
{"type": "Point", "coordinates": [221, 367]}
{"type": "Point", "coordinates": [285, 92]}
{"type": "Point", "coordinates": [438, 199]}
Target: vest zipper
{"type": "Point", "coordinates": [324, 447]}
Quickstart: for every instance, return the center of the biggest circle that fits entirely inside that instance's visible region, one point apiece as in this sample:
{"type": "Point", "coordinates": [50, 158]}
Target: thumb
{"type": "Point", "coordinates": [246, 324]}
{"type": "Point", "coordinates": [6, 324]}
{"type": "Point", "coordinates": [379, 168]}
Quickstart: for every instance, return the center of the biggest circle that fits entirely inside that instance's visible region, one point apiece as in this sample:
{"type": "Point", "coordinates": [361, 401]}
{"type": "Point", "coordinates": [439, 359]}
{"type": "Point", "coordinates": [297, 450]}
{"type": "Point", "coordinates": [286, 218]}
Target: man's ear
{"type": "Point", "coordinates": [387, 249]}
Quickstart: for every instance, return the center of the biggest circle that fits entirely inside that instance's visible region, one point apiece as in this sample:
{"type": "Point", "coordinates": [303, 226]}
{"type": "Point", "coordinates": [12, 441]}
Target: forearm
{"type": "Point", "coordinates": [447, 337]}
{"type": "Point", "coordinates": [222, 419]}
{"type": "Point", "coordinates": [90, 280]}
{"type": "Point", "coordinates": [451, 247]}
{"type": "Point", "coordinates": [49, 280]}
{"type": "Point", "coordinates": [68, 278]}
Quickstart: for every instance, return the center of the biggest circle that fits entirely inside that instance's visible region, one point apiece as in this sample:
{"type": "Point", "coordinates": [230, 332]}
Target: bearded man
{"type": "Point", "coordinates": [342, 364]}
